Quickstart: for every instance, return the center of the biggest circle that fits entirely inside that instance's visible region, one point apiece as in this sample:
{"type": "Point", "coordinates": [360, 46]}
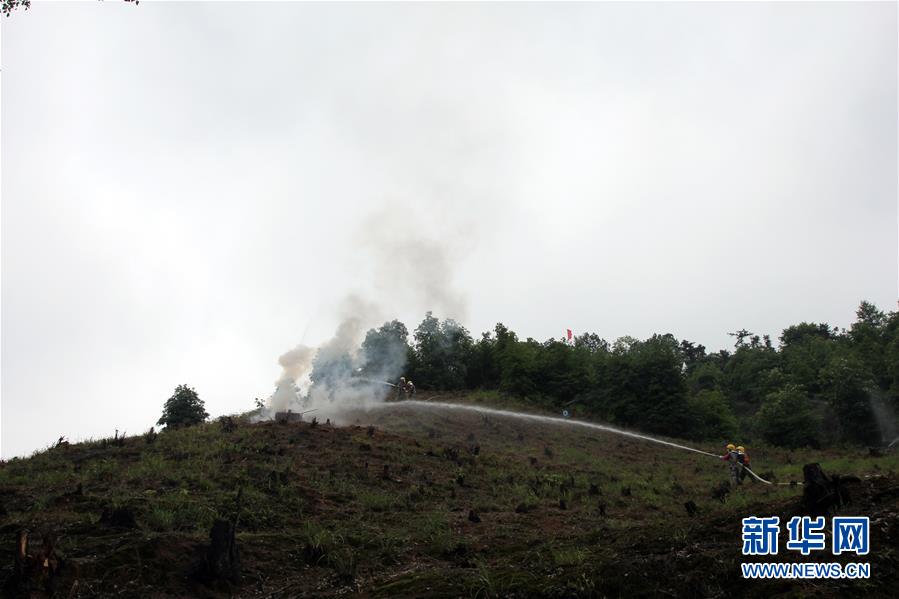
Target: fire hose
{"type": "Point", "coordinates": [745, 467]}
{"type": "Point", "coordinates": [756, 476]}
{"type": "Point", "coordinates": [767, 482]}
{"type": "Point", "coordinates": [591, 425]}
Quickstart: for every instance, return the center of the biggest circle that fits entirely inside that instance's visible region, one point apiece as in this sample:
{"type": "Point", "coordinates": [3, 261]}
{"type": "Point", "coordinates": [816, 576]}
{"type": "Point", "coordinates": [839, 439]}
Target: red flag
{"type": "Point", "coordinates": [569, 334]}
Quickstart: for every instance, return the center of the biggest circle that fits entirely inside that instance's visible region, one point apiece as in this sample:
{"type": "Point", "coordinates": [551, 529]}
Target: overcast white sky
{"type": "Point", "coordinates": [190, 189]}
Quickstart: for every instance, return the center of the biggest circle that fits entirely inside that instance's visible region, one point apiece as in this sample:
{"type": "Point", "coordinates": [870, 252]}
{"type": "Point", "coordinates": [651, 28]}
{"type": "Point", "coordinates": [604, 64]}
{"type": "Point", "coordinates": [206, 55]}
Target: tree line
{"type": "Point", "coordinates": [816, 385]}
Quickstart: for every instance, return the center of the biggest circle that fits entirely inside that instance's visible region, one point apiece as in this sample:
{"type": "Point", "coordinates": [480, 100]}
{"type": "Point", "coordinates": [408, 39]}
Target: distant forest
{"type": "Point", "coordinates": [815, 385]}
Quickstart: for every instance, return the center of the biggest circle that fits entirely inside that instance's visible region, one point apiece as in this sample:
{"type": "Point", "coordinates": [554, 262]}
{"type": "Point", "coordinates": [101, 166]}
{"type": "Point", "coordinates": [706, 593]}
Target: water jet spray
{"type": "Point", "coordinates": [565, 421]}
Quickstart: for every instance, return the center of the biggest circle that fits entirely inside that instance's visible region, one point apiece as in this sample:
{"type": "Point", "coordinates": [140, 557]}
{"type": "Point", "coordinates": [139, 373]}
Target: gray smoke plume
{"type": "Point", "coordinates": [361, 364]}
{"type": "Point", "coordinates": [348, 371]}
{"type": "Point", "coordinates": [411, 268]}
{"type": "Point", "coordinates": [295, 367]}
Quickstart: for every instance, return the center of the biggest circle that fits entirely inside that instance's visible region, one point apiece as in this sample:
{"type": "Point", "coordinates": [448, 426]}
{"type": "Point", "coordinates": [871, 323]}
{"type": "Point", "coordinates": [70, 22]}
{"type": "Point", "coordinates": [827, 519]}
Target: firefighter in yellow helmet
{"type": "Point", "coordinates": [743, 460]}
{"type": "Point", "coordinates": [732, 457]}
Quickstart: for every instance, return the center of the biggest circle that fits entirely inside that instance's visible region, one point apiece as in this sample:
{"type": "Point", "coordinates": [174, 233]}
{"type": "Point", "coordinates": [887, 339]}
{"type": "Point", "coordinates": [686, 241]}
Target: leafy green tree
{"type": "Point", "coordinates": [869, 314]}
{"type": "Point", "coordinates": [741, 336]}
{"type": "Point", "coordinates": [642, 386]}
{"type": "Point", "coordinates": [804, 359]}
{"type": "Point", "coordinates": [385, 351]}
{"type": "Point", "coordinates": [183, 408]}
{"type": "Point", "coordinates": [624, 344]}
{"type": "Point", "coordinates": [744, 375]}
{"type": "Point", "coordinates": [869, 342]}
{"type": "Point", "coordinates": [660, 384]}
{"type": "Point", "coordinates": [504, 336]}
{"type": "Point", "coordinates": [802, 332]}
{"type": "Point", "coordinates": [592, 343]}
{"type": "Point", "coordinates": [849, 384]}
{"type": "Point", "coordinates": [711, 416]}
{"type": "Point", "coordinates": [518, 366]}
{"type": "Point", "coordinates": [8, 6]}
{"type": "Point", "coordinates": [693, 355]}
{"type": "Point", "coordinates": [443, 351]}
{"type": "Point", "coordinates": [720, 359]}
{"type": "Point", "coordinates": [483, 371]}
{"type": "Point", "coordinates": [562, 372]}
{"type": "Point", "coordinates": [891, 354]}
{"type": "Point", "coordinates": [786, 418]}
{"type": "Point", "coordinates": [705, 376]}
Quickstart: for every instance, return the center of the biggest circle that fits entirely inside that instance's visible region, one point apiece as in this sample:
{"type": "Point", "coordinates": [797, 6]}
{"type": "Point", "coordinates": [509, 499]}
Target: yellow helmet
{"type": "Point", "coordinates": [741, 449]}
{"type": "Point", "coordinates": [730, 447]}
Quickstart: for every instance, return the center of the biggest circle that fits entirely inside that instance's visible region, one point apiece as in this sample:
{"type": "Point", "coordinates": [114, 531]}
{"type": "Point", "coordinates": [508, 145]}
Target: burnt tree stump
{"type": "Point", "coordinates": [34, 571]}
{"type": "Point", "coordinates": [118, 517]}
{"type": "Point", "coordinates": [222, 559]}
{"type": "Point", "coordinates": [721, 491]}
{"type": "Point", "coordinates": [21, 563]}
{"type": "Point", "coordinates": [822, 493]}
{"type": "Point", "coordinates": [227, 424]}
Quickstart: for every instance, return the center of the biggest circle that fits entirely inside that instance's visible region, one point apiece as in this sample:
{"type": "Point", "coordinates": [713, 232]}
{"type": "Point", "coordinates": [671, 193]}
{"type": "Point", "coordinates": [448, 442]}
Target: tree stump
{"type": "Point", "coordinates": [118, 517]}
{"type": "Point", "coordinates": [21, 562]}
{"type": "Point", "coordinates": [222, 560]}
{"type": "Point", "coordinates": [822, 493]}
{"type": "Point", "coordinates": [34, 571]}
{"type": "Point", "coordinates": [721, 491]}
{"type": "Point", "coordinates": [227, 424]}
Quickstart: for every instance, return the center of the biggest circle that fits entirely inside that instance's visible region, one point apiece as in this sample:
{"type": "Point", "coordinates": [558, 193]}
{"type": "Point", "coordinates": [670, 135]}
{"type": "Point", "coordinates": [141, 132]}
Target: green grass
{"type": "Point", "coordinates": [568, 556]}
{"type": "Point", "coordinates": [336, 521]}
{"type": "Point", "coordinates": [376, 501]}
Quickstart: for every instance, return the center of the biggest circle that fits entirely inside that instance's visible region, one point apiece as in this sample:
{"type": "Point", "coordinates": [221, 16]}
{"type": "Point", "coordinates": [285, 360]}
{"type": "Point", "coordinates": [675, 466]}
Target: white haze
{"type": "Point", "coordinates": [409, 272]}
{"type": "Point", "coordinates": [190, 190]}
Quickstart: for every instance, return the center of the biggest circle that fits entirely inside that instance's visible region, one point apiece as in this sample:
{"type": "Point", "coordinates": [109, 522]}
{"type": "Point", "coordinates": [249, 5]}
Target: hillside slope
{"type": "Point", "coordinates": [414, 502]}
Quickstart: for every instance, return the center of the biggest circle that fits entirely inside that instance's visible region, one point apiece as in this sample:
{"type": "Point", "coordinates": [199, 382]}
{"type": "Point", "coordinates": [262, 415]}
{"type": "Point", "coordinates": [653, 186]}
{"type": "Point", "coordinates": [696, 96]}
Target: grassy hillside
{"type": "Point", "coordinates": [421, 503]}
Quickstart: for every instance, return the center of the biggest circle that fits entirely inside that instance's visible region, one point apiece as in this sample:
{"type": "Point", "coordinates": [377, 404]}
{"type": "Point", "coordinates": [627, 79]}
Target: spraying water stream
{"type": "Point", "coordinates": [552, 420]}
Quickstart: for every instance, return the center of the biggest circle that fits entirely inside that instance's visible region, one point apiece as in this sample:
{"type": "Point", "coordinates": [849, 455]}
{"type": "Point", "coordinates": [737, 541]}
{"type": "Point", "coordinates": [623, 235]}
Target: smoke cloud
{"type": "Point", "coordinates": [360, 365]}
{"type": "Point", "coordinates": [295, 365]}
{"type": "Point", "coordinates": [410, 268]}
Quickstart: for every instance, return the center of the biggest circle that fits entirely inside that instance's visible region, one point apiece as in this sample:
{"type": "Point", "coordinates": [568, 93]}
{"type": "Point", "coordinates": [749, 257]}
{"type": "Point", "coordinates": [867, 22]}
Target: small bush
{"type": "Point", "coordinates": [317, 543]}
